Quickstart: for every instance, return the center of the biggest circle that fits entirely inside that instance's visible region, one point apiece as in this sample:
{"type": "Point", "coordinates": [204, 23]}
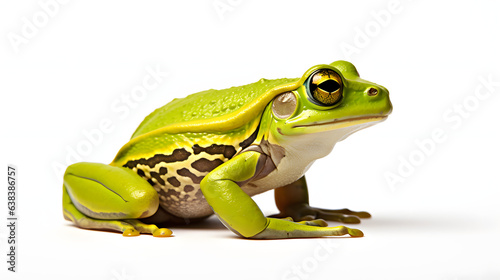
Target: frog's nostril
{"type": "Point", "coordinates": [372, 92]}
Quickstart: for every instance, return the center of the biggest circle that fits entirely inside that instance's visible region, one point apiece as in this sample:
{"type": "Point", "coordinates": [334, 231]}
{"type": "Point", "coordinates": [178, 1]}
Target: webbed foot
{"type": "Point", "coordinates": [316, 222]}
{"type": "Point", "coordinates": [304, 212]}
{"type": "Point", "coordinates": [284, 228]}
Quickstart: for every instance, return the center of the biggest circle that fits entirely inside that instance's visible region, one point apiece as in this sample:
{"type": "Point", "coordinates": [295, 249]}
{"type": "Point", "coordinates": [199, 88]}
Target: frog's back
{"type": "Point", "coordinates": [206, 105]}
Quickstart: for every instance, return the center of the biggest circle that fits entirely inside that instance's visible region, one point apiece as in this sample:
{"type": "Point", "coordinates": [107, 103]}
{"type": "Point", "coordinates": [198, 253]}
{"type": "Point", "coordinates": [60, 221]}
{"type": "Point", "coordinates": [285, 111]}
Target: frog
{"type": "Point", "coordinates": [210, 152]}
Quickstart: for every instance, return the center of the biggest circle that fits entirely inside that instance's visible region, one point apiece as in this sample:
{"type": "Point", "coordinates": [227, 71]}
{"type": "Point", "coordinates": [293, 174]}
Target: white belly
{"type": "Point", "coordinates": [300, 154]}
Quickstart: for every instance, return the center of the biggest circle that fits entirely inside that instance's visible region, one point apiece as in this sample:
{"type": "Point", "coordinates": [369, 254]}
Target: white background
{"type": "Point", "coordinates": [62, 79]}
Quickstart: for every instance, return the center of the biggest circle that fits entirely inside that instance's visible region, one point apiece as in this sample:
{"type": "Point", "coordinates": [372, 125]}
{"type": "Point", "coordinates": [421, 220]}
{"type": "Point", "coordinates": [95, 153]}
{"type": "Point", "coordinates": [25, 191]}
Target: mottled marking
{"type": "Point", "coordinates": [199, 194]}
{"type": "Point", "coordinates": [163, 170]}
{"type": "Point", "coordinates": [176, 177]}
{"type": "Point", "coordinates": [173, 181]}
{"type": "Point", "coordinates": [140, 172]}
{"type": "Point", "coordinates": [157, 177]}
{"type": "Point", "coordinates": [227, 151]}
{"type": "Point", "coordinates": [206, 165]}
{"type": "Point", "coordinates": [174, 197]}
{"type": "Point", "coordinates": [177, 155]}
{"type": "Point", "coordinates": [247, 142]}
{"type": "Point", "coordinates": [171, 193]}
{"type": "Point", "coordinates": [186, 173]}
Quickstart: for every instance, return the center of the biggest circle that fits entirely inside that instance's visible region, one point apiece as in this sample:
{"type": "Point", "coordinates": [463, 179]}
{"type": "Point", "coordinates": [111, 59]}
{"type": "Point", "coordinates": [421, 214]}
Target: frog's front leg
{"type": "Point", "coordinates": [100, 196]}
{"type": "Point", "coordinates": [221, 188]}
{"type": "Point", "coordinates": [293, 201]}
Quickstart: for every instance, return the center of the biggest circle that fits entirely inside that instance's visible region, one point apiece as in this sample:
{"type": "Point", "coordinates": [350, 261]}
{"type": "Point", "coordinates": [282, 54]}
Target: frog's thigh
{"type": "Point", "coordinates": [71, 213]}
{"type": "Point", "coordinates": [107, 192]}
{"type": "Point", "coordinates": [100, 196]}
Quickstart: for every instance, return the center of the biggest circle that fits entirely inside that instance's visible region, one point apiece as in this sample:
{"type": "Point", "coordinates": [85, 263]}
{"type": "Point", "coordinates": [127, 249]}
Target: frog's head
{"type": "Point", "coordinates": [331, 101]}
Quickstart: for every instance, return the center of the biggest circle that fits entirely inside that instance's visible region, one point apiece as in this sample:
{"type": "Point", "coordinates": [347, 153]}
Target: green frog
{"type": "Point", "coordinates": [209, 152]}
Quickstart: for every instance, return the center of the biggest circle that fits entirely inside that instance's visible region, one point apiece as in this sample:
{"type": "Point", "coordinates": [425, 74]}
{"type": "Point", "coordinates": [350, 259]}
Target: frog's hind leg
{"type": "Point", "coordinates": [71, 213]}
{"type": "Point", "coordinates": [99, 196]}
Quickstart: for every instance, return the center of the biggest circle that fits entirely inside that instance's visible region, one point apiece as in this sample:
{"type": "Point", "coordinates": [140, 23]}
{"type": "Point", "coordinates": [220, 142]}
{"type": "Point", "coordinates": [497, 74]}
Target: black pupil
{"type": "Point", "coordinates": [329, 86]}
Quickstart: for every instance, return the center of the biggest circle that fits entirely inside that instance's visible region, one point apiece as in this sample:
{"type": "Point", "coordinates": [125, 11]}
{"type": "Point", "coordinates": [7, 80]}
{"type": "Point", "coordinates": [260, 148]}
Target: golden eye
{"type": "Point", "coordinates": [325, 87]}
{"type": "Point", "coordinates": [284, 105]}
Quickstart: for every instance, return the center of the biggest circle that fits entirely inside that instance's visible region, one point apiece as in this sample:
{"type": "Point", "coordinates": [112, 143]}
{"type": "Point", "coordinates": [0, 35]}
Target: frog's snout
{"type": "Point", "coordinates": [377, 91]}
{"type": "Point", "coordinates": [379, 95]}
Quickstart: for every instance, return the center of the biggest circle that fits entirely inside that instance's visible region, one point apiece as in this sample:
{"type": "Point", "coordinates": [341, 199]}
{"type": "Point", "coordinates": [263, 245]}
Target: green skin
{"type": "Point", "coordinates": [275, 130]}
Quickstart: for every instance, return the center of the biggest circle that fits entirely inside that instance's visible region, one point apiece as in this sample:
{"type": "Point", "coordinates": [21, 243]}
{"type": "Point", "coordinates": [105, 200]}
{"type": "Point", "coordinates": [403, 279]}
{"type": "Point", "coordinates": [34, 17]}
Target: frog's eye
{"type": "Point", "coordinates": [325, 87]}
{"type": "Point", "coordinates": [284, 105]}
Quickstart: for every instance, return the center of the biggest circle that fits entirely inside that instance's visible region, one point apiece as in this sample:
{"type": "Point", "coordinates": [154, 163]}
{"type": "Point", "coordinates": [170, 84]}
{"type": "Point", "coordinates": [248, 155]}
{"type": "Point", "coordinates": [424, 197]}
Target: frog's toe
{"type": "Point", "coordinates": [348, 219]}
{"type": "Point", "coordinates": [162, 232]}
{"type": "Point", "coordinates": [337, 217]}
{"type": "Point", "coordinates": [362, 214]}
{"type": "Point", "coordinates": [355, 232]}
{"type": "Point", "coordinates": [316, 223]}
{"type": "Point", "coordinates": [342, 230]}
{"type": "Point", "coordinates": [307, 218]}
{"type": "Point", "coordinates": [131, 232]}
{"type": "Point", "coordinates": [345, 211]}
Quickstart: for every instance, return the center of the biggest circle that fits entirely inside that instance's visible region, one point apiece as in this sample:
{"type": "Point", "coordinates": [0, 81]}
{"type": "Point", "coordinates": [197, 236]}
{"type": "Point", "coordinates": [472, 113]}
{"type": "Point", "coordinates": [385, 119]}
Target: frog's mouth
{"type": "Point", "coordinates": [341, 123]}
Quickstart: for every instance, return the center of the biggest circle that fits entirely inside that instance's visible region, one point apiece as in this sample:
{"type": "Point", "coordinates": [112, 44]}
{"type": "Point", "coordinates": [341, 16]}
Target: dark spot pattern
{"type": "Point", "coordinates": [140, 172]}
{"type": "Point", "coordinates": [173, 181]}
{"type": "Point", "coordinates": [145, 166]}
{"type": "Point", "coordinates": [186, 173]}
{"type": "Point", "coordinates": [177, 155]}
{"type": "Point", "coordinates": [158, 178]}
{"type": "Point", "coordinates": [199, 194]}
{"type": "Point", "coordinates": [171, 192]}
{"type": "Point", "coordinates": [205, 165]}
{"type": "Point", "coordinates": [227, 151]}
{"type": "Point", "coordinates": [163, 170]}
